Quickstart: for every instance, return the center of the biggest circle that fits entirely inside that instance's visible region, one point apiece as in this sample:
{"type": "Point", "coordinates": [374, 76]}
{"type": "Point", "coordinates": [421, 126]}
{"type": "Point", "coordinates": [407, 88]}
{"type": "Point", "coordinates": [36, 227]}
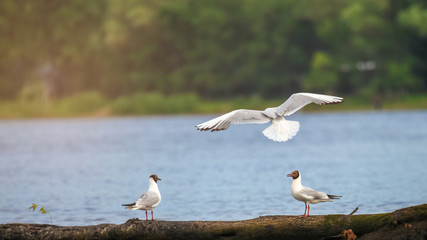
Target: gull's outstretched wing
{"type": "Point", "coordinates": [240, 116]}
{"type": "Point", "coordinates": [299, 100]}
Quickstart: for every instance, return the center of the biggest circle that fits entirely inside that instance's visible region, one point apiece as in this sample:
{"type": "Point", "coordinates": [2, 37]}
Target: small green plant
{"type": "Point", "coordinates": [42, 209]}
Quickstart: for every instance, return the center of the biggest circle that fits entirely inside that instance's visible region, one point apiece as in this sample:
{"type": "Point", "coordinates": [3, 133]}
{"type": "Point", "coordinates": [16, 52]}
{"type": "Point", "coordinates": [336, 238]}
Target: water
{"type": "Point", "coordinates": [82, 170]}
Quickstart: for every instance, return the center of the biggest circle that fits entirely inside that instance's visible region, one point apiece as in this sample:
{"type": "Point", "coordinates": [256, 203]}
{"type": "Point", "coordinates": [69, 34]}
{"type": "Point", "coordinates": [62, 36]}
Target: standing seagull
{"type": "Point", "coordinates": [148, 200]}
{"type": "Point", "coordinates": [306, 194]}
{"type": "Point", "coordinates": [280, 129]}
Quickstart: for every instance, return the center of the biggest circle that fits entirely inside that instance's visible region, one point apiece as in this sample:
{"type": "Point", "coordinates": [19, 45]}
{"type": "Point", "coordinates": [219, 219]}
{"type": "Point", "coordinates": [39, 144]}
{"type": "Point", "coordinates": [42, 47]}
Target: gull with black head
{"type": "Point", "coordinates": [306, 194]}
{"type": "Point", "coordinates": [148, 200]}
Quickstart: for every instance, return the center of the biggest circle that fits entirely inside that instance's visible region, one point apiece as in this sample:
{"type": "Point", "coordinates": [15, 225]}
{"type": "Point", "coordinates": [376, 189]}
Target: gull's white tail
{"type": "Point", "coordinates": [281, 130]}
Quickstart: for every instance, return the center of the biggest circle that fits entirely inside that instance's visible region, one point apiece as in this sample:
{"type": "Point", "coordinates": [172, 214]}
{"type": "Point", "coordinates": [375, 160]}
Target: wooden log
{"type": "Point", "coordinates": [407, 223]}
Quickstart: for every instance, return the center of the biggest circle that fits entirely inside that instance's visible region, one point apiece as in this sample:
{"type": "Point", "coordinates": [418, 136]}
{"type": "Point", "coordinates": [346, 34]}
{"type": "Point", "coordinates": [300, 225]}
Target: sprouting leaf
{"type": "Point", "coordinates": [42, 210]}
{"type": "Point", "coordinates": [34, 206]}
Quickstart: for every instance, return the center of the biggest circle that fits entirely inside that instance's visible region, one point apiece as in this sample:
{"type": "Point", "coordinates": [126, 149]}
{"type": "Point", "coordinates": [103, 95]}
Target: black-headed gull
{"type": "Point", "coordinates": [280, 129]}
{"type": "Point", "coordinates": [148, 200]}
{"type": "Point", "coordinates": [306, 194]}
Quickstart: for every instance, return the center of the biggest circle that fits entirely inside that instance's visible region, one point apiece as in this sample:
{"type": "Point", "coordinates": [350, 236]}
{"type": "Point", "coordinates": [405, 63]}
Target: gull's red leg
{"type": "Point", "coordinates": [152, 216]}
{"type": "Point", "coordinates": [146, 215]}
{"type": "Point", "coordinates": [305, 210]}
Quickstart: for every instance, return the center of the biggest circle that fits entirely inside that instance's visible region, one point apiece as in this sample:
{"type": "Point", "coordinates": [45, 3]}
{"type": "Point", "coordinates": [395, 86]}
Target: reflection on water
{"type": "Point", "coordinates": [81, 170]}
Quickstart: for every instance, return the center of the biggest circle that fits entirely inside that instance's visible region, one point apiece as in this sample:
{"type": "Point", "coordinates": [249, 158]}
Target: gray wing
{"type": "Point", "coordinates": [147, 199]}
{"type": "Point", "coordinates": [240, 116]}
{"type": "Point", "coordinates": [299, 100]}
{"type": "Point", "coordinates": [314, 195]}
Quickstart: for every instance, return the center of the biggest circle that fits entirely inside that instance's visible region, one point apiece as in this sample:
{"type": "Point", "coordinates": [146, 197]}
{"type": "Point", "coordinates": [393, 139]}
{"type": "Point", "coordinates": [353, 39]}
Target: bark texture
{"type": "Point", "coordinates": [407, 223]}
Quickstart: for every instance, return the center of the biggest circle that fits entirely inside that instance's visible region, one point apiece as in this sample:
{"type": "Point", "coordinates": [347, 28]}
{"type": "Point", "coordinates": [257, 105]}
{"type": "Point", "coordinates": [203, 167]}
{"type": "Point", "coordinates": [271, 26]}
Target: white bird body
{"type": "Point", "coordinates": [306, 194]}
{"type": "Point", "coordinates": [281, 129]}
{"type": "Point", "coordinates": [148, 200]}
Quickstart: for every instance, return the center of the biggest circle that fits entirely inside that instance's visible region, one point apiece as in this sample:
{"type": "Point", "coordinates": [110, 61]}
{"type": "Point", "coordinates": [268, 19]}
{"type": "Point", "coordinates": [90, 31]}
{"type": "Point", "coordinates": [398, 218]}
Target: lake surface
{"type": "Point", "coordinates": [82, 170]}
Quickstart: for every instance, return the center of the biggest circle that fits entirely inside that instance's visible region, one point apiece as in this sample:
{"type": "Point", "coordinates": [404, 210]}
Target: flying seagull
{"type": "Point", "coordinates": [280, 129]}
{"type": "Point", "coordinates": [148, 200]}
{"type": "Point", "coordinates": [306, 194]}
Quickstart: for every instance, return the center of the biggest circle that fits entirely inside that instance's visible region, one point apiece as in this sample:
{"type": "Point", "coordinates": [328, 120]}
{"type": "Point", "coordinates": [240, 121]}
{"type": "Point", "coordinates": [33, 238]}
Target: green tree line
{"type": "Point", "coordinates": [212, 48]}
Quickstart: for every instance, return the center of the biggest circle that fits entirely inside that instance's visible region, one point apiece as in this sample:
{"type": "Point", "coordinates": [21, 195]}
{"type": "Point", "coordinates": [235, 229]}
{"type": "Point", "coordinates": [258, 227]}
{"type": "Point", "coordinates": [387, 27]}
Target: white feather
{"type": "Point", "coordinates": [280, 130]}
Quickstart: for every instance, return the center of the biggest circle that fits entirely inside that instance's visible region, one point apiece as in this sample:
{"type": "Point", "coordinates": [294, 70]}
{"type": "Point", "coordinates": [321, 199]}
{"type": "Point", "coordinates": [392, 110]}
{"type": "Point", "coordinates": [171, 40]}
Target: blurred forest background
{"type": "Point", "coordinates": [165, 56]}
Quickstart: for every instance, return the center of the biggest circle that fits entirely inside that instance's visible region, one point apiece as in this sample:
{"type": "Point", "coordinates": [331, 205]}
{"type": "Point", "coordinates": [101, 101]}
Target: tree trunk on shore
{"type": "Point", "coordinates": [408, 223]}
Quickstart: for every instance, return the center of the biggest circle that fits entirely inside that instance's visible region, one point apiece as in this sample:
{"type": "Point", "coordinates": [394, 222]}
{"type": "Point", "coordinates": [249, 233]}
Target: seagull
{"type": "Point", "coordinates": [149, 200]}
{"type": "Point", "coordinates": [280, 130]}
{"type": "Point", "coordinates": [306, 194]}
